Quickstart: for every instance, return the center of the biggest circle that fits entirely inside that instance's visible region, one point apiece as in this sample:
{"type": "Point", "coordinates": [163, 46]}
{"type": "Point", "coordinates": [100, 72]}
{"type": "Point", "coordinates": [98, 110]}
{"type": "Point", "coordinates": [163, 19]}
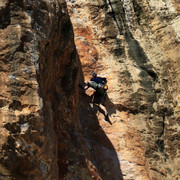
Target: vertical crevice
{"type": "Point", "coordinates": [119, 26]}
{"type": "Point", "coordinates": [5, 19]}
{"type": "Point", "coordinates": [160, 141]}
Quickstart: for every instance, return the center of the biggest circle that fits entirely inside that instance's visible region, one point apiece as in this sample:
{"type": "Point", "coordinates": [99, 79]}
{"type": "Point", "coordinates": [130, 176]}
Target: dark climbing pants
{"type": "Point", "coordinates": [100, 93]}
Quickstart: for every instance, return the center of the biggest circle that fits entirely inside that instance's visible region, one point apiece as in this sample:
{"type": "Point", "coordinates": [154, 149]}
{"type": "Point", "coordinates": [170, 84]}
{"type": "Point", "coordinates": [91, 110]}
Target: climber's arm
{"type": "Point", "coordinates": [86, 85]}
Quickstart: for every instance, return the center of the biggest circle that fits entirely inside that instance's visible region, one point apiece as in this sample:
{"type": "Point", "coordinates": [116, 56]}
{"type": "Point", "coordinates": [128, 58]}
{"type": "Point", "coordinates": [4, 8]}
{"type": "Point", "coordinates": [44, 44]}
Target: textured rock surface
{"type": "Point", "coordinates": [135, 44]}
{"type": "Point", "coordinates": [38, 94]}
{"type": "Point", "coordinates": [47, 132]}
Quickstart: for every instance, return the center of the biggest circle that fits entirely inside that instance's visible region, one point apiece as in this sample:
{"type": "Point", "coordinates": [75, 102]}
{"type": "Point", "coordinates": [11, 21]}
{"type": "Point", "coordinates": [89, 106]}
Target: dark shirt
{"type": "Point", "coordinates": [97, 80]}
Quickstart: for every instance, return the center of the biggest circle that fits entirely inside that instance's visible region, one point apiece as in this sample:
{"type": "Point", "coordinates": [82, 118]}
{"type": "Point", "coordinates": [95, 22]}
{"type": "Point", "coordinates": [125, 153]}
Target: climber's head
{"type": "Point", "coordinates": [93, 74]}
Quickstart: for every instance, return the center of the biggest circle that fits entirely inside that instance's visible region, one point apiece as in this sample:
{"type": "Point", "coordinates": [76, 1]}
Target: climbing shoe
{"type": "Point", "coordinates": [106, 116]}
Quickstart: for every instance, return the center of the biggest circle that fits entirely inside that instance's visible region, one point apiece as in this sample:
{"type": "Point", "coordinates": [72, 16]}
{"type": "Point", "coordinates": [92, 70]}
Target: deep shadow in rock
{"type": "Point", "coordinates": [103, 153]}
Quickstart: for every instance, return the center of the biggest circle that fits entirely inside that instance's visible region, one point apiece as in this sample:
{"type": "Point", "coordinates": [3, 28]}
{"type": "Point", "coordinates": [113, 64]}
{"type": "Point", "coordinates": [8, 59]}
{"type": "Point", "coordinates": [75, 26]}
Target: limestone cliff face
{"type": "Point", "coordinates": [38, 94]}
{"type": "Point", "coordinates": [48, 127]}
{"type": "Point", "coordinates": [135, 44]}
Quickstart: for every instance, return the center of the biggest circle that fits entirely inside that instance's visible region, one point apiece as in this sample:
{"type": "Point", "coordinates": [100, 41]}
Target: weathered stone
{"type": "Point", "coordinates": [40, 133]}
{"type": "Point", "coordinates": [50, 129]}
{"type": "Point", "coordinates": [137, 45]}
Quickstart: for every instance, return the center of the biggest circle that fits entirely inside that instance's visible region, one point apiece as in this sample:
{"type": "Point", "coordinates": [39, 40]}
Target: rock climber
{"type": "Point", "coordinates": [100, 87]}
